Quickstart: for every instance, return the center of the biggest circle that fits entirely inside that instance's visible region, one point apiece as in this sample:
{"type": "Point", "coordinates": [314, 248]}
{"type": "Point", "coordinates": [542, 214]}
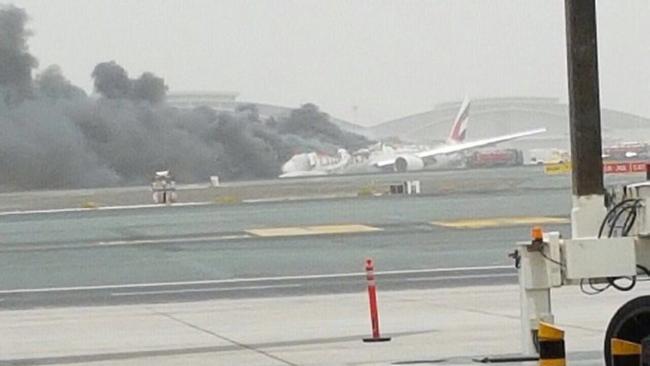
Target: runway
{"type": "Point", "coordinates": [239, 288]}
{"type": "Point", "coordinates": [186, 252]}
{"type": "Point", "coordinates": [172, 254]}
{"type": "Point", "coordinates": [283, 282]}
{"type": "Point", "coordinates": [432, 183]}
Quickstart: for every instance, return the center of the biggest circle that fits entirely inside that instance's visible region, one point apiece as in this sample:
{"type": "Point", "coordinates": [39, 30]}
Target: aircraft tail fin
{"type": "Point", "coordinates": [459, 128]}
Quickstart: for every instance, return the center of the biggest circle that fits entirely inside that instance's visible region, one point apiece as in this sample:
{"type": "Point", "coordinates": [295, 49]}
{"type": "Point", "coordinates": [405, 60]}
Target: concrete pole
{"type": "Point", "coordinates": [584, 106]}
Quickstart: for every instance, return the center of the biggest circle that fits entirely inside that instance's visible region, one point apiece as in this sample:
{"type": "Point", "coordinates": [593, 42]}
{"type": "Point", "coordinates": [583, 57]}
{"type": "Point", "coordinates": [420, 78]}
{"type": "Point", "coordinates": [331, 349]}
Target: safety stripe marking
{"type": "Point", "coordinates": [313, 230]}
{"type": "Point", "coordinates": [621, 347]}
{"type": "Point", "coordinates": [482, 223]}
{"type": "Point", "coordinates": [550, 350]}
{"type": "Point", "coordinates": [552, 362]}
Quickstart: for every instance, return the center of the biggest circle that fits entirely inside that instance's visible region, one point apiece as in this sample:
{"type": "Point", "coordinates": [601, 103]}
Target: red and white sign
{"type": "Point", "coordinates": [624, 167]}
{"type": "Point", "coordinates": [639, 167]}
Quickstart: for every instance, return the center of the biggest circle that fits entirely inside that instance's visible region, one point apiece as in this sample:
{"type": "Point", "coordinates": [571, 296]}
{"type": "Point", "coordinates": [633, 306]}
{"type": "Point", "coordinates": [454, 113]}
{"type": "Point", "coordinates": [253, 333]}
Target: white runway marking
{"type": "Point", "coordinates": [467, 277]}
{"type": "Point", "coordinates": [171, 240]}
{"type": "Point", "coordinates": [211, 289]}
{"type": "Point", "coordinates": [134, 242]}
{"type": "Point", "coordinates": [102, 208]}
{"type": "Point", "coordinates": [244, 280]}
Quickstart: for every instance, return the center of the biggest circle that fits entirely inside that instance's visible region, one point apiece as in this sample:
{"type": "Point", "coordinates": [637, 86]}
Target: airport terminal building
{"type": "Point", "coordinates": [499, 116]}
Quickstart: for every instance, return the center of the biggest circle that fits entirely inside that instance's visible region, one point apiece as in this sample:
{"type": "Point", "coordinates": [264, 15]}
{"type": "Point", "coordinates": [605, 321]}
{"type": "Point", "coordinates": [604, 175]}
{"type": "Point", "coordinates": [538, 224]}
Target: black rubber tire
{"type": "Point", "coordinates": [631, 322]}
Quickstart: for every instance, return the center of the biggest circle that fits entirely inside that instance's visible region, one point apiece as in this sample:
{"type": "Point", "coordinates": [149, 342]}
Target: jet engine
{"type": "Point", "coordinates": [405, 163]}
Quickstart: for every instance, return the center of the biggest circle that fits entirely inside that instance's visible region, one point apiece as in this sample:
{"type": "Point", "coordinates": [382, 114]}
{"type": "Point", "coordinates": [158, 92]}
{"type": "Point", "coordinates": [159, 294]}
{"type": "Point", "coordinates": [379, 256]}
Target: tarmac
{"type": "Point", "coordinates": [186, 253]}
{"type": "Point", "coordinates": [227, 193]}
{"type": "Point", "coordinates": [272, 278]}
{"type": "Point", "coordinates": [437, 326]}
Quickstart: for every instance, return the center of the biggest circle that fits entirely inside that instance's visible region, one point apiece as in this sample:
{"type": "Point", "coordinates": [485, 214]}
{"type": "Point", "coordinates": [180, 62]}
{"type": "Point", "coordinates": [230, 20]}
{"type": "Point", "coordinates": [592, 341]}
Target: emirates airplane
{"type": "Point", "coordinates": [456, 144]}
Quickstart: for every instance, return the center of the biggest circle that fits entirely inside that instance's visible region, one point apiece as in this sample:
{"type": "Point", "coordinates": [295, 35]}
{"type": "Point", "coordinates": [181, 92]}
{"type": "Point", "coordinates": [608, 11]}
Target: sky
{"type": "Point", "coordinates": [366, 61]}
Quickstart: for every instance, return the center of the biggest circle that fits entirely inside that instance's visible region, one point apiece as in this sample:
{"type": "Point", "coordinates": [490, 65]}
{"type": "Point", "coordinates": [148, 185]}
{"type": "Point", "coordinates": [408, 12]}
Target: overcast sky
{"type": "Point", "coordinates": [389, 58]}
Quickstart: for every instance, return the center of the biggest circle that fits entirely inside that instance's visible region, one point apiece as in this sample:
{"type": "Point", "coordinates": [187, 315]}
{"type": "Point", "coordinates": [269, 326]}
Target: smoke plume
{"type": "Point", "coordinates": [52, 84]}
{"type": "Point", "coordinates": [16, 63]}
{"type": "Point", "coordinates": [55, 136]}
{"type": "Point", "coordinates": [150, 88]}
{"type": "Point", "coordinates": [111, 80]}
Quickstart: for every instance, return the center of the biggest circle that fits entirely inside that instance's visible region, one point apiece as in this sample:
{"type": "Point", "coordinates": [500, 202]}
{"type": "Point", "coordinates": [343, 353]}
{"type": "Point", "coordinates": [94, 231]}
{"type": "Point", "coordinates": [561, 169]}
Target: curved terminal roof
{"type": "Point", "coordinates": [497, 116]}
{"type": "Point", "coordinates": [488, 117]}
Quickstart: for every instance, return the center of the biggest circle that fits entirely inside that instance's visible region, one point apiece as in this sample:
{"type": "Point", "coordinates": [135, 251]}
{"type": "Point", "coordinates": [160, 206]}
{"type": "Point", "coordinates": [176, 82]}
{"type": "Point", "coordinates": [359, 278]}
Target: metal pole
{"type": "Point", "coordinates": [582, 54]}
{"type": "Point", "coordinates": [584, 113]}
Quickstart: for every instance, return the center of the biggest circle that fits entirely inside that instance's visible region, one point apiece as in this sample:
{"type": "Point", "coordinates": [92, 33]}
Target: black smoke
{"type": "Point", "coordinates": [150, 88]}
{"type": "Point", "coordinates": [52, 84]}
{"type": "Point", "coordinates": [16, 63]}
{"type": "Point", "coordinates": [309, 122]}
{"type": "Point", "coordinates": [111, 80]}
{"type": "Point", "coordinates": [55, 136]}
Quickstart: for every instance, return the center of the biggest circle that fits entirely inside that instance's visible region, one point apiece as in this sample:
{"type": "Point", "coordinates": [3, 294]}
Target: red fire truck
{"type": "Point", "coordinates": [494, 158]}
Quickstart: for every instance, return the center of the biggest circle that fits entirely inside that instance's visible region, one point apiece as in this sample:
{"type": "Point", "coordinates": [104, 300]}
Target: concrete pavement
{"type": "Point", "coordinates": [64, 261]}
{"type": "Point", "coordinates": [206, 286]}
{"type": "Point", "coordinates": [450, 326]}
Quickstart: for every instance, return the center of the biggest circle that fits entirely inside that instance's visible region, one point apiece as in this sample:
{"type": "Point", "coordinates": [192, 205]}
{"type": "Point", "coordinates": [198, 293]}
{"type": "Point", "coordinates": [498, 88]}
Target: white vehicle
{"type": "Point", "coordinates": [314, 164]}
{"type": "Point", "coordinates": [401, 162]}
{"type": "Point", "coordinates": [545, 156]}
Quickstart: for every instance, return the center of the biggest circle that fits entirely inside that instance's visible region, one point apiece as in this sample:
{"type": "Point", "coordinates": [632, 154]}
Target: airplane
{"type": "Point", "coordinates": [455, 145]}
{"type": "Point", "coordinates": [313, 164]}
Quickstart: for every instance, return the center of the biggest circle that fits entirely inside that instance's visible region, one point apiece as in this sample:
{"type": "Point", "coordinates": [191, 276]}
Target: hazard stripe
{"type": "Point", "coordinates": [551, 349]}
{"type": "Point", "coordinates": [552, 362]}
{"type": "Point", "coordinates": [621, 347]}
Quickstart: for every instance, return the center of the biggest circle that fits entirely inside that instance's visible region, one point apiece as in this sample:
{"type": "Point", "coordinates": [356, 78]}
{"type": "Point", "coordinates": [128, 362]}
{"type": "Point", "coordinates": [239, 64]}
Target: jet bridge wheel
{"type": "Point", "coordinates": [631, 322]}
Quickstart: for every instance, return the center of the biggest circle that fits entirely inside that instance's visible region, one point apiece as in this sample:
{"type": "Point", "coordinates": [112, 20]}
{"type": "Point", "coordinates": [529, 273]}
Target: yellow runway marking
{"type": "Point", "coordinates": [280, 231]}
{"type": "Point", "coordinates": [313, 230]}
{"type": "Point", "coordinates": [482, 223]}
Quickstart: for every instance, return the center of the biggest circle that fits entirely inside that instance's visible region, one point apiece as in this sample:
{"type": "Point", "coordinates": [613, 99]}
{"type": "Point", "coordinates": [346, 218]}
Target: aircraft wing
{"type": "Point", "coordinates": [455, 148]}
